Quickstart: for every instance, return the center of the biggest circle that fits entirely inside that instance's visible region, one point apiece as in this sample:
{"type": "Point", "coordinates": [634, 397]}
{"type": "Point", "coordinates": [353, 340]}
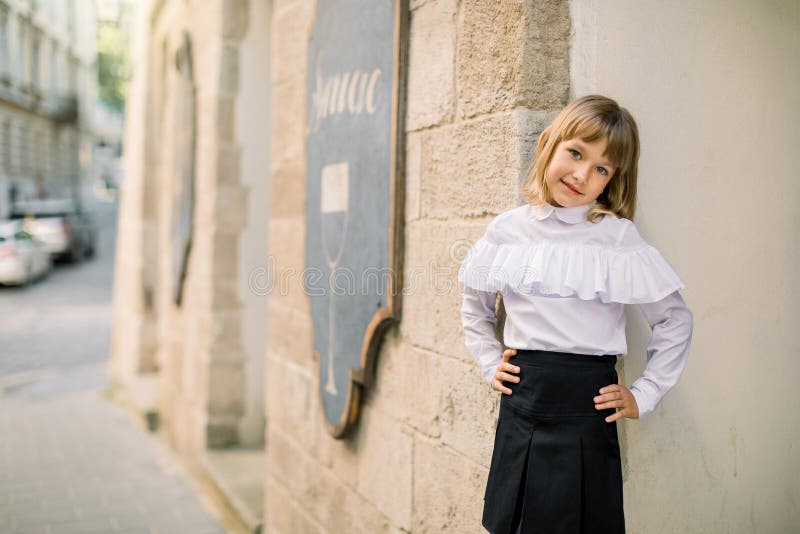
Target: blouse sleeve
{"type": "Point", "coordinates": [667, 351]}
{"type": "Point", "coordinates": [478, 321]}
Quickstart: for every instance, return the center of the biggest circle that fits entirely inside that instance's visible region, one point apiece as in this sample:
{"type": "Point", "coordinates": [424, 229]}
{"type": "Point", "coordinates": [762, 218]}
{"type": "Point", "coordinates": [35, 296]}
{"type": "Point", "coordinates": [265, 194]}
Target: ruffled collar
{"type": "Point", "coordinates": [572, 215]}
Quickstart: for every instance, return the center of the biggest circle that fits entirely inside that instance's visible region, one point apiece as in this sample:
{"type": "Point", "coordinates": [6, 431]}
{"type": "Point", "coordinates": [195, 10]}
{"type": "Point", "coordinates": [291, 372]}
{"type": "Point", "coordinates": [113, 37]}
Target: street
{"type": "Point", "coordinates": [70, 459]}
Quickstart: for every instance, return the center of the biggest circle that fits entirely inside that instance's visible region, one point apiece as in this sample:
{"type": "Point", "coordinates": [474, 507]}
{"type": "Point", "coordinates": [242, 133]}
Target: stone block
{"type": "Point", "coordinates": [229, 165]}
{"type": "Point", "coordinates": [413, 172]}
{"type": "Point", "coordinates": [225, 388]}
{"type": "Point", "coordinates": [340, 508]}
{"type": "Point", "coordinates": [385, 469]}
{"type": "Point", "coordinates": [277, 508]}
{"type": "Point", "coordinates": [286, 515]}
{"type": "Point", "coordinates": [489, 157]}
{"type": "Point", "coordinates": [290, 335]}
{"type": "Point", "coordinates": [471, 407]}
{"type": "Point", "coordinates": [286, 263]}
{"type": "Point", "coordinates": [229, 70]}
{"type": "Point", "coordinates": [235, 15]}
{"type": "Point", "coordinates": [288, 189]}
{"type": "Point", "coordinates": [226, 255]}
{"type": "Point", "coordinates": [407, 386]}
{"type": "Point", "coordinates": [322, 497]}
{"type": "Point", "coordinates": [206, 169]}
{"type": "Point", "coordinates": [225, 294]}
{"type": "Point", "coordinates": [231, 207]}
{"type": "Point", "coordinates": [225, 120]}
{"type": "Point", "coordinates": [203, 16]}
{"type": "Point", "coordinates": [432, 297]}
{"type": "Point", "coordinates": [448, 490]}
{"type": "Point", "coordinates": [512, 53]}
{"type": "Point", "coordinates": [288, 391]}
{"type": "Point", "coordinates": [340, 456]}
{"type": "Point", "coordinates": [205, 56]}
{"type": "Point", "coordinates": [288, 129]}
{"type": "Point", "coordinates": [431, 64]}
{"type": "Point", "coordinates": [226, 333]}
{"type": "Point", "coordinates": [291, 29]}
{"type": "Point", "coordinates": [287, 462]}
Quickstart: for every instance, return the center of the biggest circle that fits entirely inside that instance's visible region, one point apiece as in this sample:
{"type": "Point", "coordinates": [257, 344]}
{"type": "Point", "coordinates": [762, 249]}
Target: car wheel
{"type": "Point", "coordinates": [72, 255]}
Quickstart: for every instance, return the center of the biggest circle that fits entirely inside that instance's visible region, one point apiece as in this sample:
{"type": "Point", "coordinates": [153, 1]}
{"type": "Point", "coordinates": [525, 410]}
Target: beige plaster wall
{"type": "Point", "coordinates": [252, 120]}
{"type": "Point", "coordinates": [714, 87]}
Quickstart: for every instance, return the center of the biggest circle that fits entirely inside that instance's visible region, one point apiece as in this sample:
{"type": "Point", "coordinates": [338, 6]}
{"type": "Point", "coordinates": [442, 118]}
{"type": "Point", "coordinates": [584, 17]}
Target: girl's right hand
{"type": "Point", "coordinates": [504, 371]}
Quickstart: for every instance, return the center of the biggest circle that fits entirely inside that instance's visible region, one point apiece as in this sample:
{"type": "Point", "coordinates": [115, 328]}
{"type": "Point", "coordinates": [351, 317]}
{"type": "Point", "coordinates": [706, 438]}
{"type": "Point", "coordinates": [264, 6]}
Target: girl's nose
{"type": "Point", "coordinates": [581, 172]}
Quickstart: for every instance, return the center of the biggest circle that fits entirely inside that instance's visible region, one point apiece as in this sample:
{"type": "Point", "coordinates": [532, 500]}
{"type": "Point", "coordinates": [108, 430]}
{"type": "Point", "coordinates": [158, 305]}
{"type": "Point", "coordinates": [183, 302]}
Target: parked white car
{"type": "Point", "coordinates": [67, 231]}
{"type": "Point", "coordinates": [22, 258]}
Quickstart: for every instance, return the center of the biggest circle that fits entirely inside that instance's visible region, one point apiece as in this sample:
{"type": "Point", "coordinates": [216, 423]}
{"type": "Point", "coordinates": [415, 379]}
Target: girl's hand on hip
{"type": "Point", "coordinates": [504, 371]}
{"type": "Point", "coordinates": [617, 396]}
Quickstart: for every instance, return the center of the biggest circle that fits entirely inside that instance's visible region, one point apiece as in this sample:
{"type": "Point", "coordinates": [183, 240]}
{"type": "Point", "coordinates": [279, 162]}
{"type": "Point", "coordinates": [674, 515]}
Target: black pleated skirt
{"type": "Point", "coordinates": [555, 466]}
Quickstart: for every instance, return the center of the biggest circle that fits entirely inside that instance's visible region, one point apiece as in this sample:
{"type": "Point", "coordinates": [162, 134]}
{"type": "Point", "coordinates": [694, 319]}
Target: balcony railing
{"type": "Point", "coordinates": [65, 110]}
{"type": "Point", "coordinates": [59, 109]}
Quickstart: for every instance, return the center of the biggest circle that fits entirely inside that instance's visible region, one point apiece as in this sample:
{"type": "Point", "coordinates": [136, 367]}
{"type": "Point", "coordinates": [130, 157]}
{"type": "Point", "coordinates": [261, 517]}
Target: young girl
{"type": "Point", "coordinates": [566, 263]}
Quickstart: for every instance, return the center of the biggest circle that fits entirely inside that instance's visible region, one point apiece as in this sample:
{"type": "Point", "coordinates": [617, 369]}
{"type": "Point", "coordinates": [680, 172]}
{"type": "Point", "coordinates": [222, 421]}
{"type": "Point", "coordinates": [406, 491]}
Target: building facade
{"type": "Point", "coordinates": [230, 366]}
{"type": "Point", "coordinates": [47, 93]}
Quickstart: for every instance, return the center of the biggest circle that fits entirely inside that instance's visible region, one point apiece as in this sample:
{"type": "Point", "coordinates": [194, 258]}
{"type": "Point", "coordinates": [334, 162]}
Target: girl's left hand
{"type": "Point", "coordinates": [617, 396]}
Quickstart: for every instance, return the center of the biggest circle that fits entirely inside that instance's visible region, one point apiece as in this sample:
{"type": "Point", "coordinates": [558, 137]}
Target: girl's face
{"type": "Point", "coordinates": [578, 172]}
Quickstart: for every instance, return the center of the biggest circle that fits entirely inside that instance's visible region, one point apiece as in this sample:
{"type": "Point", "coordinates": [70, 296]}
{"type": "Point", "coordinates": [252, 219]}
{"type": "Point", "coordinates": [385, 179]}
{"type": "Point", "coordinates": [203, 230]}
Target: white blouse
{"type": "Point", "coordinates": [565, 282]}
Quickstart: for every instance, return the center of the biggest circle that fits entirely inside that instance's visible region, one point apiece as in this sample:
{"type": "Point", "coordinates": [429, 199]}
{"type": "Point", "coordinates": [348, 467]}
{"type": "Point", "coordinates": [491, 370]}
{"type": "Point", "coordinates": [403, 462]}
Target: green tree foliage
{"type": "Point", "coordinates": [113, 65]}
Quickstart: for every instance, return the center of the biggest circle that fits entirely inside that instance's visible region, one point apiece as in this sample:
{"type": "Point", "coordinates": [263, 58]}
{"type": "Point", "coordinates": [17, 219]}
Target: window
{"type": "Point", "coordinates": [22, 52]}
{"type": "Point", "coordinates": [22, 149]}
{"type": "Point", "coordinates": [73, 75]}
{"type": "Point", "coordinates": [36, 61]}
{"type": "Point", "coordinates": [53, 77]}
{"type": "Point", "coordinates": [71, 17]}
{"type": "Point", "coordinates": [3, 41]}
{"type": "Point", "coordinates": [5, 160]}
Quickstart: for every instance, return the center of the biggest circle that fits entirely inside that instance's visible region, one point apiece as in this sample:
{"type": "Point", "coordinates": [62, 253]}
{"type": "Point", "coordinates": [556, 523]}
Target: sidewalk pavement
{"type": "Point", "coordinates": [71, 461]}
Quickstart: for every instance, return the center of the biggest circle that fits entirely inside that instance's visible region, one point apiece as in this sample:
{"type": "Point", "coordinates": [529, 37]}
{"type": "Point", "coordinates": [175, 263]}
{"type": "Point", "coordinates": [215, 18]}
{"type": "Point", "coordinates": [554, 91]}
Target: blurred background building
{"type": "Point", "coordinates": [228, 371]}
{"type": "Point", "coordinates": [50, 118]}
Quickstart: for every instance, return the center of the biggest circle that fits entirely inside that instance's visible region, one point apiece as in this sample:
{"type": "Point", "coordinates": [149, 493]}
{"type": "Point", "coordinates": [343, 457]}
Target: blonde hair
{"type": "Point", "coordinates": [589, 119]}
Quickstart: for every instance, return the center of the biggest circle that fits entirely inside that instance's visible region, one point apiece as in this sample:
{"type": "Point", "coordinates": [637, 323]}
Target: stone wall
{"type": "Point", "coordinates": [483, 80]}
{"type": "Point", "coordinates": [198, 351]}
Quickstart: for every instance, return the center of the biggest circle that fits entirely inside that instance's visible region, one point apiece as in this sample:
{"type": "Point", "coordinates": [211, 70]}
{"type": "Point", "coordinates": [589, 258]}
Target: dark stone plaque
{"type": "Point", "coordinates": [355, 195]}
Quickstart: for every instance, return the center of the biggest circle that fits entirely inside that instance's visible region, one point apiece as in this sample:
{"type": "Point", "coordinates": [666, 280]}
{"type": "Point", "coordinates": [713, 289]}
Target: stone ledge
{"type": "Point", "coordinates": [238, 477]}
{"type": "Point", "coordinates": [139, 395]}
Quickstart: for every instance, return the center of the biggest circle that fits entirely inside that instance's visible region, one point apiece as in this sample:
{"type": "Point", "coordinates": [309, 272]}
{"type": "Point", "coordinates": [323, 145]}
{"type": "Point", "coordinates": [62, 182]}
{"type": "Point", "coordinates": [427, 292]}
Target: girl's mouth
{"type": "Point", "coordinates": [573, 191]}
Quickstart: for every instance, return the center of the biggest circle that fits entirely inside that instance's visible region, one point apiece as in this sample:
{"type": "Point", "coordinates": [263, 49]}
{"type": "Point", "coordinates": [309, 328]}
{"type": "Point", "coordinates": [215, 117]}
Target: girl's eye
{"type": "Point", "coordinates": [574, 153]}
{"type": "Point", "coordinates": [602, 170]}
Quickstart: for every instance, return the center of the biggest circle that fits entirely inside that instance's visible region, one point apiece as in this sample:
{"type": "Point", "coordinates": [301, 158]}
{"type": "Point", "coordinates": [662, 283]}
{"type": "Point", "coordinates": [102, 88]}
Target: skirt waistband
{"type": "Point", "coordinates": [548, 357]}
{"type": "Point", "coordinates": [559, 383]}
